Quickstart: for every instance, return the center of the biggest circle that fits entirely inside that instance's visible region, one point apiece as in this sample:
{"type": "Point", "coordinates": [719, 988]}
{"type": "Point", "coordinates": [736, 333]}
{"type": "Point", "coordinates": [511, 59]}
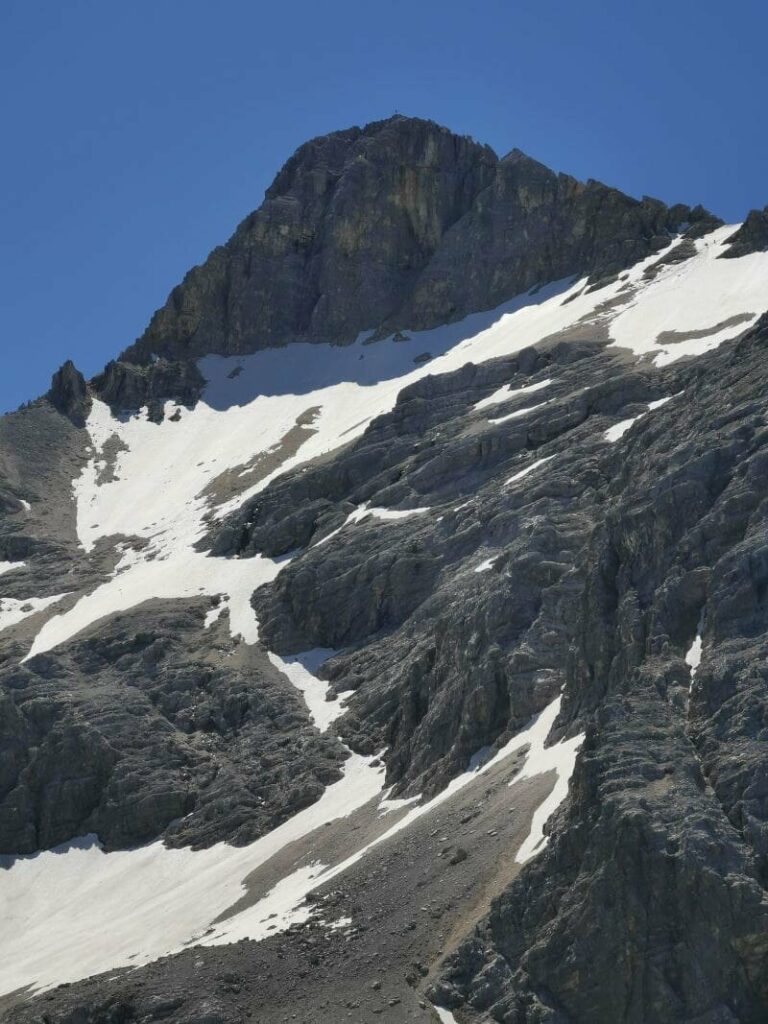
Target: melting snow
{"type": "Point", "coordinates": [693, 658]}
{"type": "Point", "coordinates": [8, 566]}
{"type": "Point", "coordinates": [446, 1017]}
{"type": "Point", "coordinates": [505, 393]}
{"type": "Point", "coordinates": [284, 408]}
{"type": "Point", "coordinates": [340, 922]}
{"type": "Point", "coordinates": [528, 469]}
{"type": "Point", "coordinates": [619, 429]}
{"type": "Point", "coordinates": [13, 611]}
{"type": "Point", "coordinates": [560, 757]}
{"type": "Point", "coordinates": [486, 565]}
{"type": "Point", "coordinates": [137, 905]}
{"type": "Point", "coordinates": [133, 906]}
{"type": "Point", "coordinates": [518, 413]}
{"type": "Point", "coordinates": [300, 669]}
{"type": "Point", "coordinates": [387, 804]}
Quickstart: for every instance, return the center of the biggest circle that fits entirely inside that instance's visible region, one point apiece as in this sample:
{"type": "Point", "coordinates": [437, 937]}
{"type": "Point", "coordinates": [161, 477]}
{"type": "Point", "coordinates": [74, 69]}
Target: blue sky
{"type": "Point", "coordinates": [137, 135]}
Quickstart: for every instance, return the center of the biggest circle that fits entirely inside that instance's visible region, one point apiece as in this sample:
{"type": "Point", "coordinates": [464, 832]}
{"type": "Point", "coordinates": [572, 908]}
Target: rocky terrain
{"type": "Point", "coordinates": [381, 634]}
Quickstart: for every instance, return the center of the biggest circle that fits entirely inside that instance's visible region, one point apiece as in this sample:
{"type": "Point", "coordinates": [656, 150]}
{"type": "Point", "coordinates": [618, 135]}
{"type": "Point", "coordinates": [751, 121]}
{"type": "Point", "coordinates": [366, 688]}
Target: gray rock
{"type": "Point", "coordinates": [752, 236]}
{"type": "Point", "coordinates": [69, 394]}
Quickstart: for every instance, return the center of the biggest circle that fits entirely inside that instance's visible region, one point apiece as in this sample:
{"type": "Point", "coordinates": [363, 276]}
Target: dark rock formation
{"type": "Point", "coordinates": [69, 394]}
{"type": "Point", "coordinates": [666, 829]}
{"type": "Point", "coordinates": [400, 224]}
{"type": "Point", "coordinates": [172, 735]}
{"type": "Point", "coordinates": [752, 236]}
{"type": "Point", "coordinates": [126, 386]}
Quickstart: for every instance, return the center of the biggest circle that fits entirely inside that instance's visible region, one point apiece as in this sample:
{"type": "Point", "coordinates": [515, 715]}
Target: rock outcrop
{"type": "Point", "coordinates": [752, 236]}
{"type": "Point", "coordinates": [400, 224]}
{"type": "Point", "coordinates": [69, 394]}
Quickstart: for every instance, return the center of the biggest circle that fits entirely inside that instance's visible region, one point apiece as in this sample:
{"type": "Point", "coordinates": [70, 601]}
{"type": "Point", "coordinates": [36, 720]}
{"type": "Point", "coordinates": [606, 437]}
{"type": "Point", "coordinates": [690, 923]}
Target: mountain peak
{"type": "Point", "coordinates": [401, 224]}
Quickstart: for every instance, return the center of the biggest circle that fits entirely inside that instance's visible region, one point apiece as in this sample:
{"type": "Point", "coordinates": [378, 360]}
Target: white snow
{"type": "Point", "coordinates": [519, 412]}
{"type": "Point", "coordinates": [12, 611]}
{"type": "Point", "coordinates": [486, 565]}
{"type": "Point", "coordinates": [389, 804]}
{"type": "Point", "coordinates": [76, 911]}
{"type": "Point", "coordinates": [693, 654]}
{"type": "Point", "coordinates": [9, 566]}
{"type": "Point", "coordinates": [528, 469]}
{"type": "Point", "coordinates": [300, 669]}
{"type": "Point", "coordinates": [339, 923]}
{"type": "Point", "coordinates": [560, 758]}
{"type": "Point", "coordinates": [214, 614]}
{"type": "Point", "coordinates": [619, 429]}
{"type": "Point", "coordinates": [364, 512]}
{"type": "Point", "coordinates": [695, 295]}
{"type": "Point", "coordinates": [693, 658]}
{"type": "Point", "coordinates": [134, 906]}
{"type": "Point", "coordinates": [446, 1017]}
{"type": "Point", "coordinates": [186, 573]}
{"type": "Point", "coordinates": [390, 513]}
{"type": "Point", "coordinates": [505, 393]}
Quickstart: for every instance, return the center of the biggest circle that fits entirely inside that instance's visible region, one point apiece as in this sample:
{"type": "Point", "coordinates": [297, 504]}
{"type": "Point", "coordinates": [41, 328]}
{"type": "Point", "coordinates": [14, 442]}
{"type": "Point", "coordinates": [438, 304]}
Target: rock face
{"type": "Point", "coordinates": [752, 236]}
{"type": "Point", "coordinates": [401, 224]}
{"type": "Point", "coordinates": [556, 525]}
{"type": "Point", "coordinates": [69, 394]}
{"type": "Point", "coordinates": [175, 736]}
{"type": "Point", "coordinates": [666, 829]}
{"type": "Point", "coordinates": [125, 386]}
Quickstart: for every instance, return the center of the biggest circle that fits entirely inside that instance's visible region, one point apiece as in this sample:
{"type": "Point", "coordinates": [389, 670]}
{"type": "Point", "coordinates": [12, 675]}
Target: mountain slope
{"type": "Point", "coordinates": [325, 590]}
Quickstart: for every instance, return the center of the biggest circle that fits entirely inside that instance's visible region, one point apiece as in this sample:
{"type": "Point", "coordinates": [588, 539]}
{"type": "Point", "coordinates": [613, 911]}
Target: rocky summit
{"type": "Point", "coordinates": [384, 633]}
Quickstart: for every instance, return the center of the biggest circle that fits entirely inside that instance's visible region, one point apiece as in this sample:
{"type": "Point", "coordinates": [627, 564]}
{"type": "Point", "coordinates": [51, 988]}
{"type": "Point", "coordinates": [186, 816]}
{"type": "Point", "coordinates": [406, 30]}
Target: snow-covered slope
{"type": "Point", "coordinates": [265, 414]}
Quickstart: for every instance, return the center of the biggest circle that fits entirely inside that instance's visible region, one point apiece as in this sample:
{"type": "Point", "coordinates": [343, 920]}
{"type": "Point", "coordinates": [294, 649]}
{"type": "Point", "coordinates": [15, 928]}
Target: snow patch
{"type": "Point", "coordinates": [694, 296]}
{"type": "Point", "coordinates": [300, 669]}
{"type": "Point", "coordinates": [364, 512]}
{"type": "Point", "coordinates": [187, 573]}
{"type": "Point", "coordinates": [517, 414]}
{"type": "Point", "coordinates": [528, 469]}
{"type": "Point", "coordinates": [13, 611]}
{"type": "Point", "coordinates": [486, 565]}
{"type": "Point", "coordinates": [9, 566]}
{"type": "Point", "coordinates": [134, 906]}
{"type": "Point", "coordinates": [446, 1017]}
{"type": "Point", "coordinates": [619, 429]}
{"type": "Point", "coordinates": [388, 804]}
{"type": "Point", "coordinates": [693, 659]}
{"type": "Point", "coordinates": [560, 758]}
{"type": "Point", "coordinates": [506, 392]}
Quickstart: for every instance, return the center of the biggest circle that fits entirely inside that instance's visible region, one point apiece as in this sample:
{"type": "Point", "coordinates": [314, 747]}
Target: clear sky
{"type": "Point", "coordinates": [137, 134]}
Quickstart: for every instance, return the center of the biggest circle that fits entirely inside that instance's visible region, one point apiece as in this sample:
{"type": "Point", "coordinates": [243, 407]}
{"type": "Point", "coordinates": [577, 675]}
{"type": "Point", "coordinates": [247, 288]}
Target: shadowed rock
{"type": "Point", "coordinates": [69, 394]}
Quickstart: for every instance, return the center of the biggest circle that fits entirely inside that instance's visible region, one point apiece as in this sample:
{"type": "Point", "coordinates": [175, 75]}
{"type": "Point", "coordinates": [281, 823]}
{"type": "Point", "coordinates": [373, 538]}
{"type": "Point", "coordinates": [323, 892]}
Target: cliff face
{"type": "Point", "coordinates": [401, 224]}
